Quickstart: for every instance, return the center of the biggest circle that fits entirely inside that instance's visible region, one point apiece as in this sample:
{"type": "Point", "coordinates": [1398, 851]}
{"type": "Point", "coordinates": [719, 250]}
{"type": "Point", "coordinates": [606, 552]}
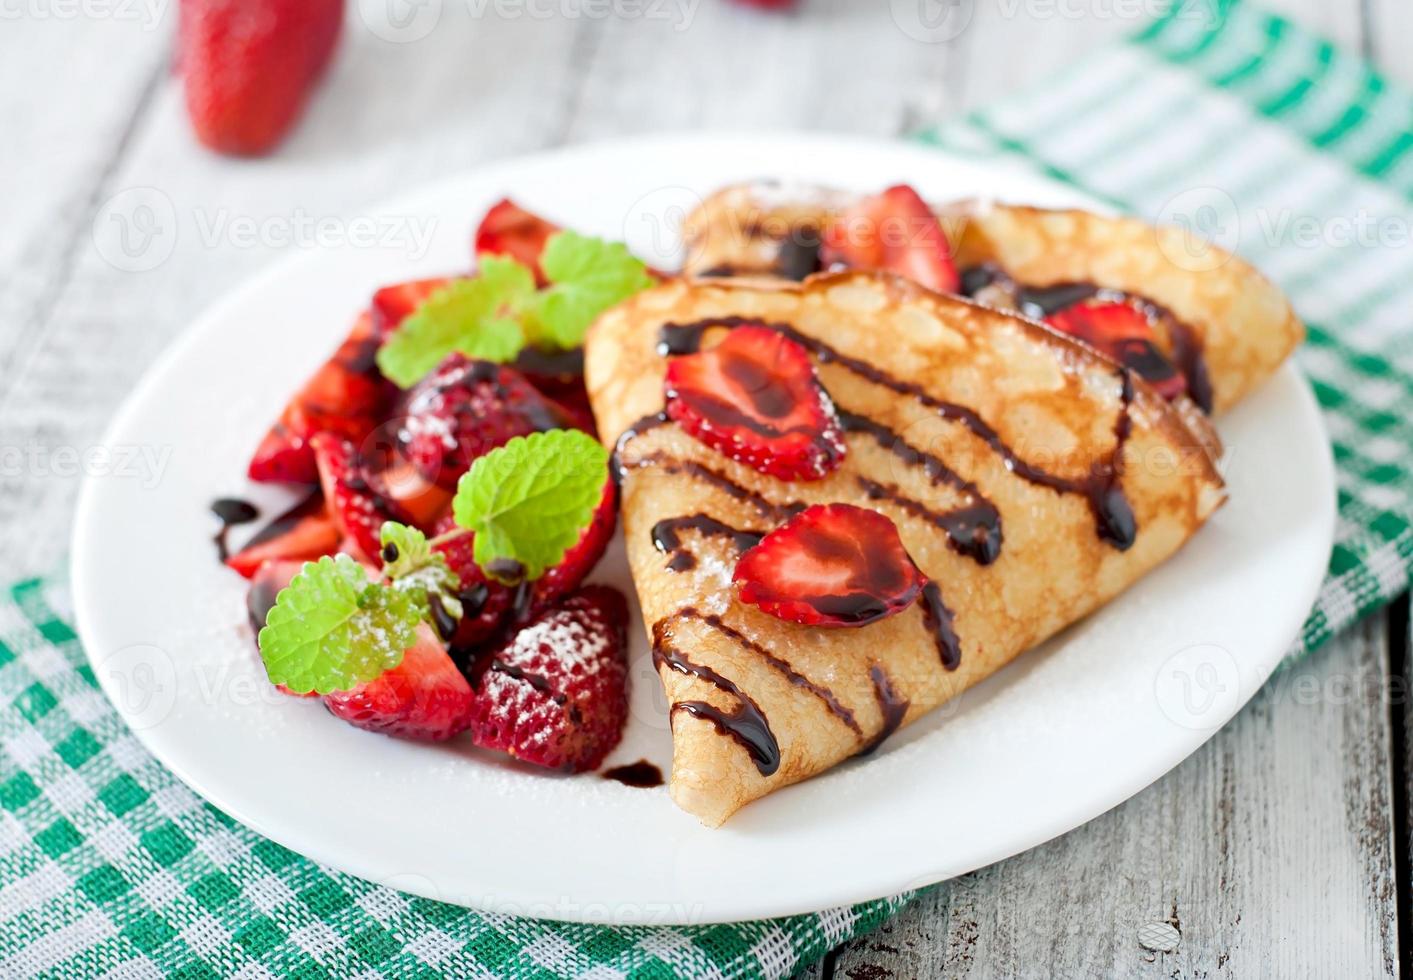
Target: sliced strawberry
{"type": "Point", "coordinates": [265, 587]}
{"type": "Point", "coordinates": [486, 604]}
{"type": "Point", "coordinates": [346, 396]}
{"type": "Point", "coordinates": [755, 398]}
{"type": "Point", "coordinates": [556, 693]}
{"type": "Point", "coordinates": [1123, 332]}
{"type": "Point", "coordinates": [579, 560]}
{"type": "Point", "coordinates": [393, 304]}
{"type": "Point", "coordinates": [830, 565]}
{"type": "Point", "coordinates": [463, 410]}
{"type": "Point", "coordinates": [358, 511]}
{"type": "Point", "coordinates": [425, 697]}
{"type": "Point", "coordinates": [895, 231]}
{"type": "Point", "coordinates": [559, 376]}
{"type": "Point", "coordinates": [510, 230]}
{"type": "Point", "coordinates": [303, 533]}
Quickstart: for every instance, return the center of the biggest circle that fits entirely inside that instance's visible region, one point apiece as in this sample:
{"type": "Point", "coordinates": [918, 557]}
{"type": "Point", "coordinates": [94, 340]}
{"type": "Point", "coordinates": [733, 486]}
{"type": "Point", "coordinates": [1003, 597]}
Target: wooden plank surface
{"type": "Point", "coordinates": [1270, 852]}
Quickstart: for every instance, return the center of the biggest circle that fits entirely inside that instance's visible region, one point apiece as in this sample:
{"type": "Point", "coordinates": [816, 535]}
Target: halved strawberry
{"type": "Point", "coordinates": [895, 231]}
{"type": "Point", "coordinates": [1123, 332]}
{"type": "Point", "coordinates": [755, 398]}
{"type": "Point", "coordinates": [303, 533]}
{"type": "Point", "coordinates": [487, 605]}
{"type": "Point", "coordinates": [579, 560]}
{"type": "Point", "coordinates": [556, 693]}
{"type": "Point", "coordinates": [393, 304]}
{"type": "Point", "coordinates": [830, 565]}
{"type": "Point", "coordinates": [510, 230]}
{"type": "Point", "coordinates": [425, 697]}
{"type": "Point", "coordinates": [463, 410]}
{"type": "Point", "coordinates": [346, 396]}
{"type": "Point", "coordinates": [358, 511]}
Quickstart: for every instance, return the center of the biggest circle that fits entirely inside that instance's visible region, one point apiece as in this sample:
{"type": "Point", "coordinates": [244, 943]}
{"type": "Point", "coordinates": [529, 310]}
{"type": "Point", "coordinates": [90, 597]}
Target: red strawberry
{"type": "Point", "coordinates": [556, 693]}
{"type": "Point", "coordinates": [510, 230]}
{"type": "Point", "coordinates": [303, 533]}
{"type": "Point", "coordinates": [425, 697]}
{"type": "Point", "coordinates": [579, 560]}
{"type": "Point", "coordinates": [1125, 334]}
{"type": "Point", "coordinates": [486, 604]}
{"type": "Point", "coordinates": [393, 304]}
{"type": "Point", "coordinates": [895, 231]}
{"type": "Point", "coordinates": [265, 587]}
{"type": "Point", "coordinates": [755, 398]}
{"type": "Point", "coordinates": [357, 510]}
{"type": "Point", "coordinates": [463, 410]}
{"type": "Point", "coordinates": [347, 396]}
{"type": "Point", "coordinates": [830, 565]}
{"type": "Point", "coordinates": [250, 66]}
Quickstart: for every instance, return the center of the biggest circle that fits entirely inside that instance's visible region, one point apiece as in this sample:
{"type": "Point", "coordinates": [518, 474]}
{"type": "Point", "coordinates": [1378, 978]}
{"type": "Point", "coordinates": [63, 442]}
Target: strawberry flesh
{"type": "Point", "coordinates": [346, 396]}
{"type": "Point", "coordinates": [463, 410]}
{"type": "Point", "coordinates": [555, 694]}
{"type": "Point", "coordinates": [393, 304]}
{"type": "Point", "coordinates": [511, 231]}
{"type": "Point", "coordinates": [265, 588]}
{"type": "Point", "coordinates": [425, 697]}
{"type": "Point", "coordinates": [755, 398]}
{"type": "Point", "coordinates": [1125, 334]}
{"type": "Point", "coordinates": [303, 533]}
{"type": "Point", "coordinates": [830, 565]}
{"type": "Point", "coordinates": [358, 511]}
{"type": "Point", "coordinates": [250, 65]}
{"type": "Point", "coordinates": [894, 231]}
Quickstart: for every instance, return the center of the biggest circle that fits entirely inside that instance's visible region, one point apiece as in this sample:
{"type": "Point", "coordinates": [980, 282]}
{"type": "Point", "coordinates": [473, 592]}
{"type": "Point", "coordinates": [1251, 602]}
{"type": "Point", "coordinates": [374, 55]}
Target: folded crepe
{"type": "Point", "coordinates": [1218, 319]}
{"type": "Point", "coordinates": [1030, 479]}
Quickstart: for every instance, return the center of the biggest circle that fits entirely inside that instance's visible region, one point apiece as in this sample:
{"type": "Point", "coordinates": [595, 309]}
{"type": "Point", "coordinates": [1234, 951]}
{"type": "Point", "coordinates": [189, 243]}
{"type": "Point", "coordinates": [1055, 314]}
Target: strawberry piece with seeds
{"type": "Point", "coordinates": [303, 533]}
{"type": "Point", "coordinates": [393, 304]}
{"type": "Point", "coordinates": [463, 410]}
{"type": "Point", "coordinates": [755, 398]}
{"type": "Point", "coordinates": [556, 693]}
{"type": "Point", "coordinates": [486, 604]}
{"type": "Point", "coordinates": [1125, 334]}
{"type": "Point", "coordinates": [894, 231]}
{"type": "Point", "coordinates": [250, 66]}
{"type": "Point", "coordinates": [830, 565]}
{"type": "Point", "coordinates": [425, 697]}
{"type": "Point", "coordinates": [358, 511]}
{"type": "Point", "coordinates": [511, 231]}
{"type": "Point", "coordinates": [579, 560]}
{"type": "Point", "coordinates": [346, 396]}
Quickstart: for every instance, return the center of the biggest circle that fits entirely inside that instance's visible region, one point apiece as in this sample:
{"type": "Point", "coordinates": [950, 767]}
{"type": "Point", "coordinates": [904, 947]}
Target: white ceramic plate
{"type": "Point", "coordinates": [1059, 737]}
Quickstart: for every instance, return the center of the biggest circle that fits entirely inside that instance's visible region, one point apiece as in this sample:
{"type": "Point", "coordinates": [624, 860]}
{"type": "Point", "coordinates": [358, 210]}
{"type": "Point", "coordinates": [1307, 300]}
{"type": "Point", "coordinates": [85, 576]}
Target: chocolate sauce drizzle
{"type": "Point", "coordinates": [667, 538]}
{"type": "Point", "coordinates": [891, 705]}
{"type": "Point", "coordinates": [939, 621]}
{"type": "Point", "coordinates": [1113, 517]}
{"type": "Point", "coordinates": [641, 774]}
{"type": "Point", "coordinates": [745, 723]}
{"type": "Point", "coordinates": [231, 512]}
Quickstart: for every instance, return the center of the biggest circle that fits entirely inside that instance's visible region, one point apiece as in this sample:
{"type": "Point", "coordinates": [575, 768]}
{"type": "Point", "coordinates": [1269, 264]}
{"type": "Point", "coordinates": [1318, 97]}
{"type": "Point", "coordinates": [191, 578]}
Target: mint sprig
{"type": "Point", "coordinates": [529, 501]}
{"type": "Point", "coordinates": [332, 628]}
{"type": "Point", "coordinates": [414, 568]}
{"type": "Point", "coordinates": [495, 315]}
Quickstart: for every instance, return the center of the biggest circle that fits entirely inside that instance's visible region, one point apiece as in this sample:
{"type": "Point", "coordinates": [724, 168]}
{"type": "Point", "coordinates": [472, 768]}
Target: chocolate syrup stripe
{"type": "Point", "coordinates": [1113, 516]}
{"type": "Point", "coordinates": [667, 538]}
{"type": "Point", "coordinates": [893, 708]}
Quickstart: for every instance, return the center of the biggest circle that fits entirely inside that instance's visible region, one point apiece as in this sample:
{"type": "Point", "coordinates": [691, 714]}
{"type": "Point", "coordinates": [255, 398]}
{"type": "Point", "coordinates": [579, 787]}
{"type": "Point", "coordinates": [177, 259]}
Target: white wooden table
{"type": "Point", "coordinates": [1279, 849]}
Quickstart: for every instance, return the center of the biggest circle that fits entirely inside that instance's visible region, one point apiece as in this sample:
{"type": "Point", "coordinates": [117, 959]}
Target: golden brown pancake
{"type": "Point", "coordinates": [1216, 311]}
{"type": "Point", "coordinates": [1030, 479]}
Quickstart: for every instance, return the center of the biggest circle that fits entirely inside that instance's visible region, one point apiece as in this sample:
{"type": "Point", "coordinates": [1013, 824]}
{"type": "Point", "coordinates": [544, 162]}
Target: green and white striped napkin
{"type": "Point", "coordinates": [110, 866]}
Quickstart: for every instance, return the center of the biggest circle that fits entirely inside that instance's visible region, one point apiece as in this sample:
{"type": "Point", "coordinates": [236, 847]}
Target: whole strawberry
{"type": "Point", "coordinates": [556, 693]}
{"type": "Point", "coordinates": [250, 66]}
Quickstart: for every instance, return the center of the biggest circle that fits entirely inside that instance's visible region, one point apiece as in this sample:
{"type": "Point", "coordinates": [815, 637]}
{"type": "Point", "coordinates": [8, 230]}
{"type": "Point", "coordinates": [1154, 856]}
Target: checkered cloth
{"type": "Point", "coordinates": [109, 866]}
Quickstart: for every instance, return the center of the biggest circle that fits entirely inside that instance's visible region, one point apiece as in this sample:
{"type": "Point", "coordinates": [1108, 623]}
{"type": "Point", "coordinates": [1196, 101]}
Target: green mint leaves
{"type": "Point", "coordinates": [493, 316]}
{"type": "Point", "coordinates": [478, 317]}
{"type": "Point", "coordinates": [587, 276]}
{"type": "Point", "coordinates": [530, 500]}
{"type": "Point", "coordinates": [408, 559]}
{"type": "Point", "coordinates": [332, 628]}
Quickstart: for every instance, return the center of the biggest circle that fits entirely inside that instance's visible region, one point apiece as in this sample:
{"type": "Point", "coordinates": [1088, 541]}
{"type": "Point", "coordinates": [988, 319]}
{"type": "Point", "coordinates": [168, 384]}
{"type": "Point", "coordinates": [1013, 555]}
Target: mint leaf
{"type": "Point", "coordinates": [587, 276]}
{"type": "Point", "coordinates": [530, 500]}
{"type": "Point", "coordinates": [478, 317]}
{"type": "Point", "coordinates": [332, 629]}
{"type": "Point", "coordinates": [414, 568]}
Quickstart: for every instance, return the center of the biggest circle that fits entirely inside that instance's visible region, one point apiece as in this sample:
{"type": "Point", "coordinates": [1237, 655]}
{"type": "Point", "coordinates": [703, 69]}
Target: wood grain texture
{"type": "Point", "coordinates": [1270, 851]}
